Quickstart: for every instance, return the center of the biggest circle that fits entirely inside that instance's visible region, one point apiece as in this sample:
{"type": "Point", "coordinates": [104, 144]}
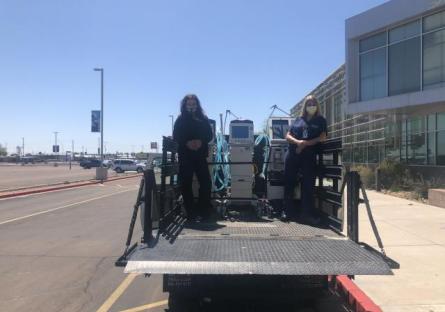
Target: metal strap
{"type": "Point", "coordinates": [134, 216]}
{"type": "Point", "coordinates": [371, 219]}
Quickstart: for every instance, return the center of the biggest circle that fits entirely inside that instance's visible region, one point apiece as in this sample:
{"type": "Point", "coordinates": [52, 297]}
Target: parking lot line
{"type": "Point", "coordinates": [62, 207]}
{"type": "Point", "coordinates": [147, 306]}
{"type": "Point", "coordinates": [117, 292]}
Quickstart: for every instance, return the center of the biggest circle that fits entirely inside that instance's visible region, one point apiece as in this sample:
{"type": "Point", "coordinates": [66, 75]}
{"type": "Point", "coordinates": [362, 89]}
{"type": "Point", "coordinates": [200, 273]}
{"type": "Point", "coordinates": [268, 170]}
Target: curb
{"type": "Point", "coordinates": [355, 297]}
{"type": "Point", "coordinates": [57, 188]}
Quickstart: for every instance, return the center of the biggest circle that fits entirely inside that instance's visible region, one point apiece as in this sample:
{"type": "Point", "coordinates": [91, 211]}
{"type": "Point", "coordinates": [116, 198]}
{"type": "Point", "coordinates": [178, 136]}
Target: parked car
{"type": "Point", "coordinates": [107, 163]}
{"type": "Point", "coordinates": [122, 165]}
{"type": "Point", "coordinates": [27, 160]}
{"type": "Point", "coordinates": [88, 163]}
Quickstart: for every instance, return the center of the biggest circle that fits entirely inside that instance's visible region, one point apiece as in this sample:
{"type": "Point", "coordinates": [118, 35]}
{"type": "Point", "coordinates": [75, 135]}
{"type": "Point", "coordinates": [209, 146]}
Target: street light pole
{"type": "Point", "coordinates": [72, 152]}
{"type": "Point", "coordinates": [172, 122]}
{"type": "Point", "coordinates": [101, 70]}
{"type": "Point", "coordinates": [55, 141]}
{"type": "Point", "coordinates": [23, 146]}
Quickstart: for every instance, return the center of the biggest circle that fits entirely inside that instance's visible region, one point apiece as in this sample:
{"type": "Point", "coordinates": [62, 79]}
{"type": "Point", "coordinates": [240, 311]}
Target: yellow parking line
{"type": "Point", "coordinates": [63, 207]}
{"type": "Point", "coordinates": [117, 293]}
{"type": "Point", "coordinates": [147, 306]}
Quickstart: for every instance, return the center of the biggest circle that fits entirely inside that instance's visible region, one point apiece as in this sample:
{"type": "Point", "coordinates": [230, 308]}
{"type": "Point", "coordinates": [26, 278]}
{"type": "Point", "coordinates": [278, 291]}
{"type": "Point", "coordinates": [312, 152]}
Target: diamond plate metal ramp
{"type": "Point", "coordinates": [261, 250]}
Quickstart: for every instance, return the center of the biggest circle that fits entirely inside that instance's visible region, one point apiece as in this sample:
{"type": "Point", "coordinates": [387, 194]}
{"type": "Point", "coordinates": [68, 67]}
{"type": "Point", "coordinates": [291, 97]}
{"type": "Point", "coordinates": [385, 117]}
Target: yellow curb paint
{"type": "Point", "coordinates": [117, 293]}
{"type": "Point", "coordinates": [147, 306]}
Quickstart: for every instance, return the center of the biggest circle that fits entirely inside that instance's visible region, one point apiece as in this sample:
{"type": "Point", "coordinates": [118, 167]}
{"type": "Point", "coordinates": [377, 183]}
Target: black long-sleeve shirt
{"type": "Point", "coordinates": [188, 128]}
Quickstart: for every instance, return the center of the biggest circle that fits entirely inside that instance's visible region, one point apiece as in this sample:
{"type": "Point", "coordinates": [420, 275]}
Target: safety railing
{"type": "Point", "coordinates": [330, 175]}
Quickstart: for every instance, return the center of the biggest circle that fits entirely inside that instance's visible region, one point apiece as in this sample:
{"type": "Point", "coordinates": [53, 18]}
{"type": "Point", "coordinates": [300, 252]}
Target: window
{"type": "Point", "coordinates": [373, 74]}
{"type": "Point", "coordinates": [404, 58]}
{"type": "Point", "coordinates": [338, 99]}
{"type": "Point", "coordinates": [328, 110]}
{"type": "Point", "coordinates": [434, 21]}
{"type": "Point", "coordinates": [404, 32]}
{"type": "Point", "coordinates": [432, 148]}
{"type": "Point", "coordinates": [373, 153]}
{"type": "Point", "coordinates": [395, 61]}
{"type": "Point", "coordinates": [440, 121]}
{"type": "Point", "coordinates": [404, 66]}
{"type": "Point", "coordinates": [432, 123]}
{"type": "Point", "coordinates": [416, 140]}
{"type": "Point", "coordinates": [376, 41]}
{"type": "Point", "coordinates": [360, 151]}
{"type": "Point", "coordinates": [403, 143]}
{"type": "Point", "coordinates": [434, 59]}
{"type": "Point", "coordinates": [441, 148]}
{"type": "Point", "coordinates": [347, 155]}
{"type": "Point", "coordinates": [392, 140]}
{"type": "Point", "coordinates": [431, 152]}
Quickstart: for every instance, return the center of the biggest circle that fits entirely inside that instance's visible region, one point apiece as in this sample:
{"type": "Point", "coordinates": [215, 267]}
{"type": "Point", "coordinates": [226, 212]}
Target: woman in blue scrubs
{"type": "Point", "coordinates": [305, 133]}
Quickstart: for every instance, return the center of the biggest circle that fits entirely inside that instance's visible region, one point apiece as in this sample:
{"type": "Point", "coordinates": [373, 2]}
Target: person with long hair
{"type": "Point", "coordinates": [192, 132]}
{"type": "Point", "coordinates": [305, 133]}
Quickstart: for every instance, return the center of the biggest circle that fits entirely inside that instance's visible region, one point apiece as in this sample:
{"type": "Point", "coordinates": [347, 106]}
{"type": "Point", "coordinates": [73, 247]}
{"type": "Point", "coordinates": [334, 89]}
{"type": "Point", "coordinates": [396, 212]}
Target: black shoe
{"type": "Point", "coordinates": [308, 220]}
{"type": "Point", "coordinates": [284, 216]}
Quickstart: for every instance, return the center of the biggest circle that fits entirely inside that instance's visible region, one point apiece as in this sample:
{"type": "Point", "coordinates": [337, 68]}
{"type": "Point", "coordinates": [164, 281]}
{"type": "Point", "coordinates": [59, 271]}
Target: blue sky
{"type": "Point", "coordinates": [240, 55]}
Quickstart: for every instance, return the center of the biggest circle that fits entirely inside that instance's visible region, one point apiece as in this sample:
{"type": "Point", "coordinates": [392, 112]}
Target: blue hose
{"type": "Point", "coordinates": [221, 172]}
{"type": "Point", "coordinates": [258, 140]}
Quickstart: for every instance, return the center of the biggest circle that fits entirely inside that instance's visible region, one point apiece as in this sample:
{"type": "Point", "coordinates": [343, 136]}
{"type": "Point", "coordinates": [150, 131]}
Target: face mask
{"type": "Point", "coordinates": [311, 110]}
{"type": "Point", "coordinates": [191, 110]}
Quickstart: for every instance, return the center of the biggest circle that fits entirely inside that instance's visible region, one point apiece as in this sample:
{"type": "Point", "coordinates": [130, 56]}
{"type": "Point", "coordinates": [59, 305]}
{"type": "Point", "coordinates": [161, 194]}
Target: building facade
{"type": "Point", "coordinates": [392, 103]}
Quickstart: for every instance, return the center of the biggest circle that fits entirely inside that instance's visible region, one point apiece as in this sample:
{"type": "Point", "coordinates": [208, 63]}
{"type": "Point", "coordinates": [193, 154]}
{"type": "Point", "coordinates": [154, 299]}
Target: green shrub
{"type": "Point", "coordinates": [392, 174]}
{"type": "Point", "coordinates": [367, 176]}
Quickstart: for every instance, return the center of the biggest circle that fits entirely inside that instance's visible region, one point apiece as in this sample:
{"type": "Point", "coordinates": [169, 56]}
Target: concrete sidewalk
{"type": "Point", "coordinates": [414, 235]}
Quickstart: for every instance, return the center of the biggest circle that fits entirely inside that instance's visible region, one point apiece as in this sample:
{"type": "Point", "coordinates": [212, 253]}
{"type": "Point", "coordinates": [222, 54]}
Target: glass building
{"type": "Point", "coordinates": [388, 100]}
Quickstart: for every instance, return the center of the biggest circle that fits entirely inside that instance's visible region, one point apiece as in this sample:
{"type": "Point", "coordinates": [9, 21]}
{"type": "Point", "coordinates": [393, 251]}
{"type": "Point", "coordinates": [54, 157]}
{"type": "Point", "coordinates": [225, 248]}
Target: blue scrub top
{"type": "Point", "coordinates": [303, 129]}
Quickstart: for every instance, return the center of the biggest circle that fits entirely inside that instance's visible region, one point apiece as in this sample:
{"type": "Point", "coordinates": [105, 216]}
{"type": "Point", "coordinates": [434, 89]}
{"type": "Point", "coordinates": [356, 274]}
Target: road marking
{"type": "Point", "coordinates": [62, 207]}
{"type": "Point", "coordinates": [147, 306]}
{"type": "Point", "coordinates": [117, 293]}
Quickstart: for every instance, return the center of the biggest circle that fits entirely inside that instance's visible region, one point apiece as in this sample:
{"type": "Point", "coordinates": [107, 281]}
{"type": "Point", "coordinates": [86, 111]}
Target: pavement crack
{"type": "Point", "coordinates": [85, 289]}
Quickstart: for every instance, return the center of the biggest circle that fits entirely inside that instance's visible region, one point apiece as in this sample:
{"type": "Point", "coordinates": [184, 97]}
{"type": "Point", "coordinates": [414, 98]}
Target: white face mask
{"type": "Point", "coordinates": [311, 110]}
{"type": "Point", "coordinates": [191, 107]}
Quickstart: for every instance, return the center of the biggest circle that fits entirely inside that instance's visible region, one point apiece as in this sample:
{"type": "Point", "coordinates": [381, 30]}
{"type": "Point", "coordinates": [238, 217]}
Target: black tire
{"type": "Point", "coordinates": [140, 170]}
{"type": "Point", "coordinates": [119, 170]}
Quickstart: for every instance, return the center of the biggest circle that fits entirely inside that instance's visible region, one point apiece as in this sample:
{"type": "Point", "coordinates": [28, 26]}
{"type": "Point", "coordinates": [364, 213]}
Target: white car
{"type": "Point", "coordinates": [122, 165]}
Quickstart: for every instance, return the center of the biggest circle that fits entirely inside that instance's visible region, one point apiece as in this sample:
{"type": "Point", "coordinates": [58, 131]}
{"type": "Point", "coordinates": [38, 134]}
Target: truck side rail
{"type": "Point", "coordinates": [329, 197]}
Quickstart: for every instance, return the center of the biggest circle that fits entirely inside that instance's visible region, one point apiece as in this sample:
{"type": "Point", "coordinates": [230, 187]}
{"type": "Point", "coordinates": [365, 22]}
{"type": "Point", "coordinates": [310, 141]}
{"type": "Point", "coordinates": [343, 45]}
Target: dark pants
{"type": "Point", "coordinates": [199, 166]}
{"type": "Point", "coordinates": [303, 165]}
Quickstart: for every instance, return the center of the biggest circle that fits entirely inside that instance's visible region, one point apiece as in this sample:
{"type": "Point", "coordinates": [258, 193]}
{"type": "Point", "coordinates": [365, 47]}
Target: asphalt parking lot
{"type": "Point", "coordinates": [18, 176]}
{"type": "Point", "coordinates": [57, 252]}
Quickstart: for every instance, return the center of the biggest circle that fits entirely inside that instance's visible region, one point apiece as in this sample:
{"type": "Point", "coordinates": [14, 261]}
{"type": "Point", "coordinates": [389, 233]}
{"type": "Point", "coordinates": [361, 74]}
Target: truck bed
{"type": "Point", "coordinates": [263, 247]}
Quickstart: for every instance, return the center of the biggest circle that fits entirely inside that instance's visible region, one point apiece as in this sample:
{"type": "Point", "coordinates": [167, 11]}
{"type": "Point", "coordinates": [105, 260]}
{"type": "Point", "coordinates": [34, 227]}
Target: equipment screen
{"type": "Point", "coordinates": [240, 132]}
{"type": "Point", "coordinates": [279, 129]}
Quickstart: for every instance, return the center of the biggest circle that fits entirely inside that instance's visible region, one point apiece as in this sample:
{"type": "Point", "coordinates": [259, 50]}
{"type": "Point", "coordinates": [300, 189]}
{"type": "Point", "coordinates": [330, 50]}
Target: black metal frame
{"type": "Point", "coordinates": [156, 217]}
{"type": "Point", "coordinates": [333, 196]}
